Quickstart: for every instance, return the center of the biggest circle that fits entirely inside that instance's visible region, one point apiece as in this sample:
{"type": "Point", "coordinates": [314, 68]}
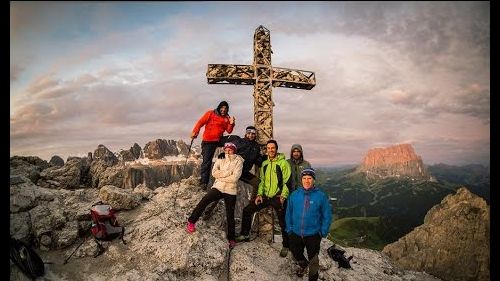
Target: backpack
{"type": "Point", "coordinates": [28, 261]}
{"type": "Point", "coordinates": [105, 226]}
{"type": "Point", "coordinates": [338, 256]}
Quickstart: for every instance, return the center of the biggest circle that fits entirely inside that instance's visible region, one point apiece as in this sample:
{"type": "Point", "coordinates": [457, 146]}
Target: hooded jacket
{"type": "Point", "coordinates": [268, 185]}
{"type": "Point", "coordinates": [296, 167]}
{"type": "Point", "coordinates": [215, 124]}
{"type": "Point", "coordinates": [308, 213]}
{"type": "Point", "coordinates": [249, 150]}
{"type": "Point", "coordinates": [226, 172]}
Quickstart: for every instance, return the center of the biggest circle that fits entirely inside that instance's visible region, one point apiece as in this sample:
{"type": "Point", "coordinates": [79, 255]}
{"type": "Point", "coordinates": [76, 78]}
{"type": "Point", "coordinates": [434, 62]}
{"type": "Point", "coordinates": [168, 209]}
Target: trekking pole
{"type": "Point", "coordinates": [187, 157]}
{"type": "Point", "coordinates": [272, 223]}
{"type": "Point", "coordinates": [67, 259]}
{"type": "Point", "coordinates": [189, 151]}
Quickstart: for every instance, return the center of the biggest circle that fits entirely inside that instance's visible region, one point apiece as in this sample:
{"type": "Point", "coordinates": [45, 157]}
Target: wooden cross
{"type": "Point", "coordinates": [264, 77]}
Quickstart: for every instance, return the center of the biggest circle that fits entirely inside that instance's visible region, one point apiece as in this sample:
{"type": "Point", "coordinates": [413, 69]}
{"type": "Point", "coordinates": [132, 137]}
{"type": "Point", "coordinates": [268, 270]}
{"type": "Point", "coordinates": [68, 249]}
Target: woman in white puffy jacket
{"type": "Point", "coordinates": [226, 171]}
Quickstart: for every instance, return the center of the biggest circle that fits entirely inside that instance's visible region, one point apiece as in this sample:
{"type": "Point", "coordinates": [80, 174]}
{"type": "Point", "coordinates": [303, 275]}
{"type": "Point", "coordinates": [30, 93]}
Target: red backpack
{"type": "Point", "coordinates": [105, 226]}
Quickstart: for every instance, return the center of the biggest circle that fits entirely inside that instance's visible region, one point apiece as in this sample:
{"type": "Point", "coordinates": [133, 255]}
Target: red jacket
{"type": "Point", "coordinates": [215, 125]}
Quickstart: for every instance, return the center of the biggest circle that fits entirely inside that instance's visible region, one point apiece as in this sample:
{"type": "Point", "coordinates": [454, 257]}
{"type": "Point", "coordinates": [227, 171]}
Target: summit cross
{"type": "Point", "coordinates": [264, 77]}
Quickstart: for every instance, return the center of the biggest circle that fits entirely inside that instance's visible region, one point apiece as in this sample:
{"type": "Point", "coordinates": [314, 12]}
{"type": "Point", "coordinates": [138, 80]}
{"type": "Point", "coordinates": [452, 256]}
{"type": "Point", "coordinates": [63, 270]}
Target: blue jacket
{"type": "Point", "coordinates": [308, 213]}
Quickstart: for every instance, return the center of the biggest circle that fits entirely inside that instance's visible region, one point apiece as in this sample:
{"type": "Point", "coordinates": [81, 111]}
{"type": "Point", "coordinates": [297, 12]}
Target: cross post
{"type": "Point", "coordinates": [264, 77]}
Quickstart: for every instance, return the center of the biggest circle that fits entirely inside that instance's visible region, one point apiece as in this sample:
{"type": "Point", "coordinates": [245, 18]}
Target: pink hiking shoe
{"type": "Point", "coordinates": [232, 243]}
{"type": "Point", "coordinates": [190, 227]}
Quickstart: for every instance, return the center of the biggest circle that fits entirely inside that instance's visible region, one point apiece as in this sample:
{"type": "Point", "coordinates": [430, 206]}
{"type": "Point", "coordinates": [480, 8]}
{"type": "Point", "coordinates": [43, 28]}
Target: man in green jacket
{"type": "Point", "coordinates": [274, 173]}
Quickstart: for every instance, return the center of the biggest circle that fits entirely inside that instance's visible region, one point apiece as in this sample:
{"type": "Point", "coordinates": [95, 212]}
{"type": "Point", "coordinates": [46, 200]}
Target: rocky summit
{"type": "Point", "coordinates": [157, 245]}
{"type": "Point", "coordinates": [453, 243]}
{"type": "Point", "coordinates": [393, 161]}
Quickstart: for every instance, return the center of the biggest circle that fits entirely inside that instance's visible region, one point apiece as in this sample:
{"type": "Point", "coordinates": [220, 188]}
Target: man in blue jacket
{"type": "Point", "coordinates": [308, 218]}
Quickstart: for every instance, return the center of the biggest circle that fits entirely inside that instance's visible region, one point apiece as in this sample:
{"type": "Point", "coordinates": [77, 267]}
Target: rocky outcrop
{"type": "Point", "coordinates": [160, 148]}
{"type": "Point", "coordinates": [158, 174]}
{"type": "Point", "coordinates": [134, 153]}
{"type": "Point", "coordinates": [73, 174]}
{"type": "Point", "coordinates": [119, 198]}
{"type": "Point", "coordinates": [49, 218]}
{"type": "Point", "coordinates": [394, 161]}
{"type": "Point", "coordinates": [56, 161]}
{"type": "Point", "coordinates": [104, 155]}
{"type": "Point", "coordinates": [453, 243]}
{"type": "Point", "coordinates": [30, 166]}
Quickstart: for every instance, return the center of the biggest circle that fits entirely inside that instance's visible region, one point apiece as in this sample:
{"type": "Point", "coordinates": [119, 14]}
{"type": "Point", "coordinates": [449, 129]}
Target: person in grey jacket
{"type": "Point", "coordinates": [297, 164]}
{"type": "Point", "coordinates": [226, 172]}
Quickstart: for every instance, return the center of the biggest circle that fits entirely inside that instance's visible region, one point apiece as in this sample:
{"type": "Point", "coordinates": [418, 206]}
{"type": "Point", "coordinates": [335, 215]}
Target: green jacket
{"type": "Point", "coordinates": [269, 178]}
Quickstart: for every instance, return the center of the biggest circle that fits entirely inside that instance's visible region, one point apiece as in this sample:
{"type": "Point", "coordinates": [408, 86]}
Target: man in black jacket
{"type": "Point", "coordinates": [249, 149]}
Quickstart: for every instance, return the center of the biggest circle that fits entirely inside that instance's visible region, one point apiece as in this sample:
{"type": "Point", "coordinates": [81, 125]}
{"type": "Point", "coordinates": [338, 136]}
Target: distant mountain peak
{"type": "Point", "coordinates": [394, 161]}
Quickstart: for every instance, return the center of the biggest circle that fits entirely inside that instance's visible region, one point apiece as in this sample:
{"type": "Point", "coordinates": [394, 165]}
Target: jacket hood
{"type": "Point", "coordinates": [221, 104]}
{"type": "Point", "coordinates": [299, 147]}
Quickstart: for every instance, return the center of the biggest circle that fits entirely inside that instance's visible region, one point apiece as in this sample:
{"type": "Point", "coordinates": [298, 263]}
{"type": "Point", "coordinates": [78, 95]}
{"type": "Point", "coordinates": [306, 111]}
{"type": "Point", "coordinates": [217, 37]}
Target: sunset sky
{"type": "Point", "coordinates": [119, 73]}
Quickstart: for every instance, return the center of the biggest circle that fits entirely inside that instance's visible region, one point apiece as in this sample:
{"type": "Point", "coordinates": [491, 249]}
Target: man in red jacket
{"type": "Point", "coordinates": [216, 122]}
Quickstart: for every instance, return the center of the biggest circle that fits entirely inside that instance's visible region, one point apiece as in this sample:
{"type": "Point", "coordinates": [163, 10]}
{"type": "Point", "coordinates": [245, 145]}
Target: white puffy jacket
{"type": "Point", "coordinates": [226, 172]}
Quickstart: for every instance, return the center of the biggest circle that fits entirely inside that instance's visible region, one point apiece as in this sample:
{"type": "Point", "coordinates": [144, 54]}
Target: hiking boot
{"type": "Point", "coordinates": [242, 238]}
{"type": "Point", "coordinates": [301, 271]}
{"type": "Point", "coordinates": [190, 227]}
{"type": "Point", "coordinates": [284, 252]}
{"type": "Point", "coordinates": [232, 243]}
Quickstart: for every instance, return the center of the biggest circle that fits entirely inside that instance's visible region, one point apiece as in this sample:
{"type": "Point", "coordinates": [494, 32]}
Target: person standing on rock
{"type": "Point", "coordinates": [297, 164]}
{"type": "Point", "coordinates": [226, 172]}
{"type": "Point", "coordinates": [308, 218]}
{"type": "Point", "coordinates": [272, 191]}
{"type": "Point", "coordinates": [216, 122]}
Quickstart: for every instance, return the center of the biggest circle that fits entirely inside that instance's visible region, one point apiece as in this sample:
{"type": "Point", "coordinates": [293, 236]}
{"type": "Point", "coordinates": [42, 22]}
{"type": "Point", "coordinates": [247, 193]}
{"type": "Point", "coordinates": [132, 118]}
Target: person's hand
{"type": "Point", "coordinates": [216, 174]}
{"type": "Point", "coordinates": [232, 120]}
{"type": "Point", "coordinates": [194, 135]}
{"type": "Point", "coordinates": [282, 200]}
{"type": "Point", "coordinates": [258, 200]}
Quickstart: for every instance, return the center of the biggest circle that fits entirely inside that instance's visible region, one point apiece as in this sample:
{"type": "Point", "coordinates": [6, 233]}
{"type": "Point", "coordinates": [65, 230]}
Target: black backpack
{"type": "Point", "coordinates": [338, 256]}
{"type": "Point", "coordinates": [28, 261]}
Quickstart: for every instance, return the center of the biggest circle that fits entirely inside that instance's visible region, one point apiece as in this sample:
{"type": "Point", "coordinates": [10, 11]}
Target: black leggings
{"type": "Point", "coordinates": [214, 195]}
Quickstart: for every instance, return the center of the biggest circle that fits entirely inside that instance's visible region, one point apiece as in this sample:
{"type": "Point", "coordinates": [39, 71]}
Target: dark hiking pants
{"type": "Point", "coordinates": [311, 243]}
{"type": "Point", "coordinates": [251, 208]}
{"type": "Point", "coordinates": [207, 152]}
{"type": "Point", "coordinates": [214, 195]}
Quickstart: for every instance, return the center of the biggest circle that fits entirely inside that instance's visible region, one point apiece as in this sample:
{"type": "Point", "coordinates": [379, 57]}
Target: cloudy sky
{"type": "Point", "coordinates": [119, 73]}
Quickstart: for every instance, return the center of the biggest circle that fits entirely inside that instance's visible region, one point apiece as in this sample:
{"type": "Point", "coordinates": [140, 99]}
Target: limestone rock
{"type": "Point", "coordinates": [453, 243]}
{"type": "Point", "coordinates": [159, 148]}
{"type": "Point", "coordinates": [29, 166]}
{"type": "Point", "coordinates": [105, 155]}
{"type": "Point", "coordinates": [56, 161]}
{"type": "Point", "coordinates": [71, 175]}
{"type": "Point", "coordinates": [119, 198]}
